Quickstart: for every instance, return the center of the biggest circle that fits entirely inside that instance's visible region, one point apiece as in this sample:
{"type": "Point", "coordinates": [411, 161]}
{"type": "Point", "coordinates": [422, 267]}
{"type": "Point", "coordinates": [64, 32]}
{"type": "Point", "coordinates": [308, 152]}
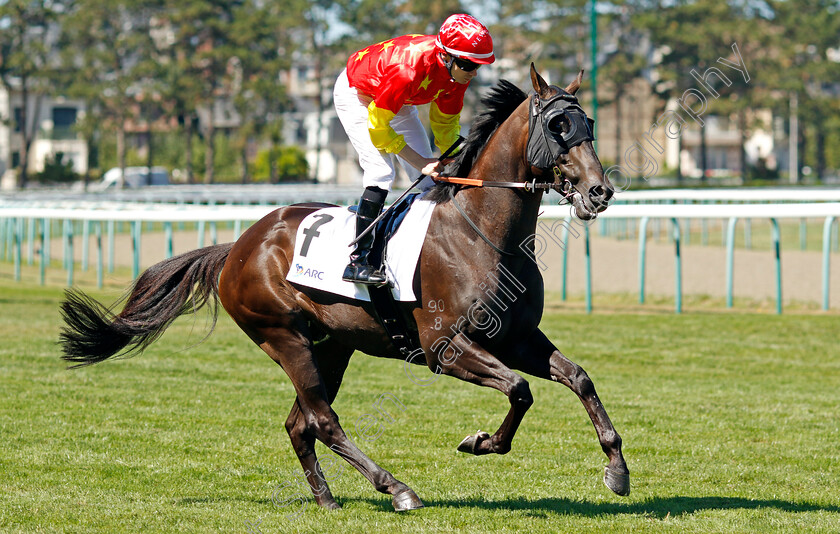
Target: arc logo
{"type": "Point", "coordinates": [307, 272]}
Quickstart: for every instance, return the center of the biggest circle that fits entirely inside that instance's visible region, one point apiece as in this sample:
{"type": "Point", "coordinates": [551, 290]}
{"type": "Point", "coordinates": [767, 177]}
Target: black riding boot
{"type": "Point", "coordinates": [359, 270]}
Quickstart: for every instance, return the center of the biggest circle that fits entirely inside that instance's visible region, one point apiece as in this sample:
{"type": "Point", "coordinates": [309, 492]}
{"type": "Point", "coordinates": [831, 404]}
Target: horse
{"type": "Point", "coordinates": [473, 260]}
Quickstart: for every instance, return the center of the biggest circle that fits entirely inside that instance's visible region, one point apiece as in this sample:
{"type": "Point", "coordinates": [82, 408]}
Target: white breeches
{"type": "Point", "coordinates": [378, 166]}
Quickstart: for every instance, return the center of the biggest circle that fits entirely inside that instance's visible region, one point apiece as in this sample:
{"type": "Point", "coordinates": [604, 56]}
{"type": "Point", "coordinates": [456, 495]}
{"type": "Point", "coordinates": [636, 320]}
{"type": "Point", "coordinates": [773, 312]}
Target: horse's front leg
{"type": "Point", "coordinates": [539, 357]}
{"type": "Point", "coordinates": [460, 357]}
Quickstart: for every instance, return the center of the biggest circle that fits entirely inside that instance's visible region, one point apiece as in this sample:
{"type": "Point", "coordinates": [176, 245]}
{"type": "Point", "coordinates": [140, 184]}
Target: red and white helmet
{"type": "Point", "coordinates": [464, 37]}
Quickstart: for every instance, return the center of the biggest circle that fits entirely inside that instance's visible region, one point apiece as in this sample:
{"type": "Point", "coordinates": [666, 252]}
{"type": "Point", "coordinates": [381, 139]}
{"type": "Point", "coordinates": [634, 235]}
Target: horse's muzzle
{"type": "Point", "coordinates": [600, 197]}
{"type": "Point", "coordinates": [596, 200]}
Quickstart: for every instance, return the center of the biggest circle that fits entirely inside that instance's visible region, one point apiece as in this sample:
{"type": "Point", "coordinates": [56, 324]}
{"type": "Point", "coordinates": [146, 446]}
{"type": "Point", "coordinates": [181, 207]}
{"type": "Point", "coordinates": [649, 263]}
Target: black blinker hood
{"type": "Point", "coordinates": [546, 142]}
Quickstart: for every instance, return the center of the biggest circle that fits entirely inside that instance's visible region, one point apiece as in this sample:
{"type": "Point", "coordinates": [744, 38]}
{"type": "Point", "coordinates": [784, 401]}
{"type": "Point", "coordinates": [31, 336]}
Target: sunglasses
{"type": "Point", "coordinates": [465, 64]}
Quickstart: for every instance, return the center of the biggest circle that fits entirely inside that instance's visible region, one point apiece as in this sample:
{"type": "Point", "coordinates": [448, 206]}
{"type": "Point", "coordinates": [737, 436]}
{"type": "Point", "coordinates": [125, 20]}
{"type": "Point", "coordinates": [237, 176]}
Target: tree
{"type": "Point", "coordinates": [282, 163]}
{"type": "Point", "coordinates": [208, 49]}
{"type": "Point", "coordinates": [106, 44]}
{"type": "Point", "coordinates": [623, 64]}
{"type": "Point", "coordinates": [690, 35]}
{"type": "Point", "coordinates": [554, 35]}
{"type": "Point", "coordinates": [263, 42]}
{"type": "Point", "coordinates": [27, 41]}
{"type": "Point", "coordinates": [176, 80]}
{"type": "Point", "coordinates": [372, 21]}
{"type": "Point", "coordinates": [807, 56]}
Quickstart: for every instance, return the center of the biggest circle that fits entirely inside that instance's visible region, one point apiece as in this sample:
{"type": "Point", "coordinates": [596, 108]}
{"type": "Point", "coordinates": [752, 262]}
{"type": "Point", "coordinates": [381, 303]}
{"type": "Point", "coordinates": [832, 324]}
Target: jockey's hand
{"type": "Point", "coordinates": [433, 168]}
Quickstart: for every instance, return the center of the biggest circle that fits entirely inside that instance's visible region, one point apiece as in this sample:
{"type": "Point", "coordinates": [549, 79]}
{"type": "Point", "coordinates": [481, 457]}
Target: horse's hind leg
{"type": "Point", "coordinates": [293, 352]}
{"type": "Point", "coordinates": [332, 359]}
{"type": "Point", "coordinates": [539, 357]}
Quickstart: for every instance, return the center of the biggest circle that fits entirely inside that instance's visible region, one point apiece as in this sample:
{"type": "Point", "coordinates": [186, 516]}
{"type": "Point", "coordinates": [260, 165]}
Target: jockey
{"type": "Point", "coordinates": [375, 98]}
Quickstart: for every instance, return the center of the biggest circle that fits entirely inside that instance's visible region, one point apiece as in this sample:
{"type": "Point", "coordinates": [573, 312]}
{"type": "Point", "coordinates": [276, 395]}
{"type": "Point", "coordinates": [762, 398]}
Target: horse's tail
{"type": "Point", "coordinates": [175, 286]}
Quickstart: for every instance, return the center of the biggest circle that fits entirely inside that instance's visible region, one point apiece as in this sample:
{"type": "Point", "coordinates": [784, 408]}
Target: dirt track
{"type": "Point", "coordinates": [615, 267]}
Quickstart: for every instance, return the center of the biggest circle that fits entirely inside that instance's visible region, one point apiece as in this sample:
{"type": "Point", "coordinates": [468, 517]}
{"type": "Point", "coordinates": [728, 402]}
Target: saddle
{"type": "Point", "coordinates": [322, 246]}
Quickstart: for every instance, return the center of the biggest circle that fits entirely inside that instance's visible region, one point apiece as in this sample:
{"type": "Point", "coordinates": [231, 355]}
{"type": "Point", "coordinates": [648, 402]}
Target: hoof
{"type": "Point", "coordinates": [470, 442]}
{"type": "Point", "coordinates": [617, 481]}
{"type": "Point", "coordinates": [327, 503]}
{"type": "Point", "coordinates": [406, 500]}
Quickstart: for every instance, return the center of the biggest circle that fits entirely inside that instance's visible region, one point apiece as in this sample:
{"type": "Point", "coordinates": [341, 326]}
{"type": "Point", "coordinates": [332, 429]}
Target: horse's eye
{"type": "Point", "coordinates": [558, 124]}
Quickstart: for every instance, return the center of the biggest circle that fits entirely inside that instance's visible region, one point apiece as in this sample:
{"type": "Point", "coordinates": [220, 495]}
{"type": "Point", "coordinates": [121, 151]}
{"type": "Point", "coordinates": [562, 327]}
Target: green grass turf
{"type": "Point", "coordinates": [730, 424]}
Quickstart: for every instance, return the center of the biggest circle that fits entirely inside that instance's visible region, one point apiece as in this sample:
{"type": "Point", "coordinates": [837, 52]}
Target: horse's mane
{"type": "Point", "coordinates": [499, 104]}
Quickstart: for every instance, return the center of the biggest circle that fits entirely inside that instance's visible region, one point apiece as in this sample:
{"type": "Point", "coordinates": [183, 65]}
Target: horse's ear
{"type": "Point", "coordinates": [538, 82]}
{"type": "Point", "coordinates": [575, 85]}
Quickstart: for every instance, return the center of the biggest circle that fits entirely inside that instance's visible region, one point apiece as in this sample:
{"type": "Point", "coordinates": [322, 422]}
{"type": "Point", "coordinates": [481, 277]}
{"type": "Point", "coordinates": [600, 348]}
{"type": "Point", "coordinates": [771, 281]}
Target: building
{"type": "Point", "coordinates": [52, 120]}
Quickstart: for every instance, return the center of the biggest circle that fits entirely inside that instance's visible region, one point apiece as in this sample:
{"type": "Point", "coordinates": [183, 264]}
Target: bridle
{"type": "Point", "coordinates": [547, 141]}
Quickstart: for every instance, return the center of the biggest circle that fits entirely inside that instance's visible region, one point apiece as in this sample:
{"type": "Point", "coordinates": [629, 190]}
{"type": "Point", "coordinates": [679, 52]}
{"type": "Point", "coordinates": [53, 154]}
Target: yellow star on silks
{"type": "Point", "coordinates": [438, 94]}
{"type": "Point", "coordinates": [361, 53]}
{"type": "Point", "coordinates": [386, 45]}
{"type": "Point", "coordinates": [425, 83]}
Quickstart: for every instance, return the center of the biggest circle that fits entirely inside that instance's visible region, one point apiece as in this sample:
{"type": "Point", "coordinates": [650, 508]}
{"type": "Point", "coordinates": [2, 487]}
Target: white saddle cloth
{"type": "Point", "coordinates": [322, 251]}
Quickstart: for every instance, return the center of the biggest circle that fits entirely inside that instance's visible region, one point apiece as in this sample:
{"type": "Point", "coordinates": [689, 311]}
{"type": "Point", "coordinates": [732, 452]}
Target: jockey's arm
{"type": "Point", "coordinates": [386, 139]}
{"type": "Point", "coordinates": [428, 166]}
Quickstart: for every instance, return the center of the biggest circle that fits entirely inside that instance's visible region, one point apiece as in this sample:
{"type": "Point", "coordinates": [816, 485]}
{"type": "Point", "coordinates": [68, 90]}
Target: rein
{"type": "Point", "coordinates": [530, 187]}
{"type": "Point", "coordinates": [565, 188]}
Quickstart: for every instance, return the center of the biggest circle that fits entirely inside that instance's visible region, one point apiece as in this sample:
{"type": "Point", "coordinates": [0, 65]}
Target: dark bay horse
{"type": "Point", "coordinates": [472, 260]}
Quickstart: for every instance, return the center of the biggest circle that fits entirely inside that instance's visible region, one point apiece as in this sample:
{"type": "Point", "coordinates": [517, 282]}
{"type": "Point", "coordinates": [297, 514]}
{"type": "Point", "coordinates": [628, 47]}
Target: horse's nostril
{"type": "Point", "coordinates": [600, 195]}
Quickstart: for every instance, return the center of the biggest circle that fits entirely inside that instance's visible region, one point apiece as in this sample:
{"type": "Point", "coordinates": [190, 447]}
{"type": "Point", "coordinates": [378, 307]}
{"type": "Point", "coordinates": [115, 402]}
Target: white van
{"type": "Point", "coordinates": [134, 177]}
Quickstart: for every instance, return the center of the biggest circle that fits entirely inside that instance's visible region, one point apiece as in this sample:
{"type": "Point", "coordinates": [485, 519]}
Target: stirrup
{"type": "Point", "coordinates": [362, 273]}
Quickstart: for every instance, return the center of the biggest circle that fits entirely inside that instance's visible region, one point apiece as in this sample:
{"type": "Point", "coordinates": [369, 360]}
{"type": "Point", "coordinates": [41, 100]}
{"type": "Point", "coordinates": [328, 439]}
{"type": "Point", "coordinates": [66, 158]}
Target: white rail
{"type": "Point", "coordinates": [279, 195]}
{"type": "Point", "coordinates": [94, 215]}
{"type": "Point", "coordinates": [708, 211]}
{"type": "Point", "coordinates": [791, 194]}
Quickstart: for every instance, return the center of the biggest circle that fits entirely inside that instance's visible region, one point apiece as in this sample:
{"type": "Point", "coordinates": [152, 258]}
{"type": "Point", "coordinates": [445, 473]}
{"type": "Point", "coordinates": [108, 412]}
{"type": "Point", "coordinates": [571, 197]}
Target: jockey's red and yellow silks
{"type": "Point", "coordinates": [406, 71]}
